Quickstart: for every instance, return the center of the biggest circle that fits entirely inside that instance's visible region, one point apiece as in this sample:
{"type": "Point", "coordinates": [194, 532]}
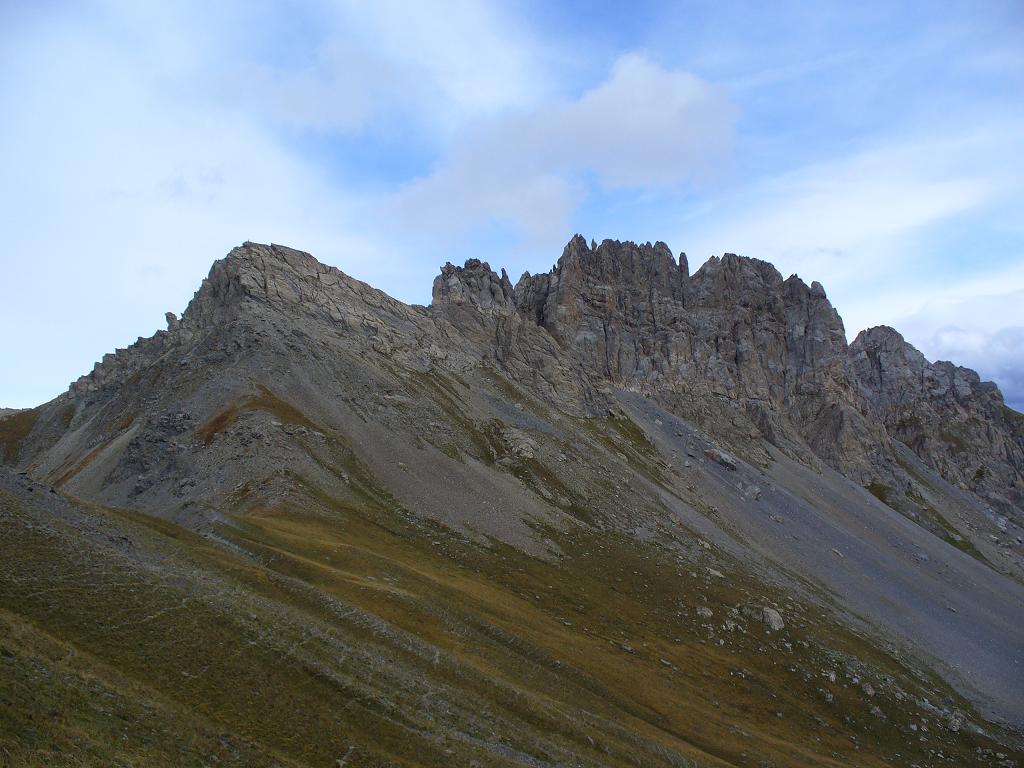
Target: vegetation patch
{"type": "Point", "coordinates": [625, 439]}
{"type": "Point", "coordinates": [880, 491]}
{"type": "Point", "coordinates": [335, 629]}
{"type": "Point", "coordinates": [954, 437]}
{"type": "Point", "coordinates": [14, 428]}
{"type": "Point", "coordinates": [941, 527]}
{"type": "Point", "coordinates": [1016, 418]}
{"type": "Point", "coordinates": [67, 414]}
{"type": "Point", "coordinates": [82, 463]}
{"type": "Point", "coordinates": [262, 400]}
{"type": "Point", "coordinates": [445, 397]}
{"type": "Point", "coordinates": [62, 707]}
{"type": "Point", "coordinates": [936, 522]}
{"type": "Point", "coordinates": [513, 394]}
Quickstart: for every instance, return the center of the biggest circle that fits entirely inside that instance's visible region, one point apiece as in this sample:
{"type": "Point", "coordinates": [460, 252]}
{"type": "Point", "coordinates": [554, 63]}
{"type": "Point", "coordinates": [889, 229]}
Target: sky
{"type": "Point", "coordinates": [877, 147]}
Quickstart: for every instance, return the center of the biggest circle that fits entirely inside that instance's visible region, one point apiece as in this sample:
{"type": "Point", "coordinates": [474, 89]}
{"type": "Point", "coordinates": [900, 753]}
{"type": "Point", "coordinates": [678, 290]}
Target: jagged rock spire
{"type": "Point", "coordinates": [476, 285]}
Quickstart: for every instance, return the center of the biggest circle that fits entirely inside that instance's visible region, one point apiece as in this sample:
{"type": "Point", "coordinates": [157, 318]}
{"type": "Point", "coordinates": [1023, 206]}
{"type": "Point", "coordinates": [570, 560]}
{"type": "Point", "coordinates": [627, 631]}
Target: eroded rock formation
{"type": "Point", "coordinates": [631, 316]}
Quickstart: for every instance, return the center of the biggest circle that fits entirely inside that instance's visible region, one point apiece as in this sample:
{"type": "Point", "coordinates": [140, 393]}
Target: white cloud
{"type": "Point", "coordinates": [975, 326]}
{"type": "Point", "coordinates": [341, 91]}
{"type": "Point", "coordinates": [117, 199]}
{"type": "Point", "coordinates": [836, 220]}
{"type": "Point", "coordinates": [334, 66]}
{"type": "Point", "coordinates": [140, 142]}
{"type": "Point", "coordinates": [861, 225]}
{"type": "Point", "coordinates": [393, 61]}
{"type": "Point", "coordinates": [644, 126]}
{"type": "Point", "coordinates": [476, 58]}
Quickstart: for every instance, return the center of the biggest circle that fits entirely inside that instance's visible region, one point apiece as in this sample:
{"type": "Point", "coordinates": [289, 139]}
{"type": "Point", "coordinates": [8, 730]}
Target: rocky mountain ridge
{"type": "Point", "coordinates": [706, 452]}
{"type": "Point", "coordinates": [633, 316]}
{"type": "Point", "coordinates": [734, 346]}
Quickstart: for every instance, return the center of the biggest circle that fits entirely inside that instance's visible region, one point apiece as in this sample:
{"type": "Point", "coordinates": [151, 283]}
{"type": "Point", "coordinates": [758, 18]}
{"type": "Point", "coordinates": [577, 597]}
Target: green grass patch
{"type": "Point", "coordinates": [14, 428]}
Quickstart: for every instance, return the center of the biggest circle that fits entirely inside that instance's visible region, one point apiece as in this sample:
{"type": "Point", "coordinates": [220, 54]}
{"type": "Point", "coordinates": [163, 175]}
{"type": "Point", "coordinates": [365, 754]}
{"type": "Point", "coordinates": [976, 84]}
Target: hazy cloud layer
{"type": "Point", "coordinates": [643, 127]}
{"type": "Point", "coordinates": [984, 331]}
{"type": "Point", "coordinates": [878, 148]}
{"type": "Point", "coordinates": [393, 61]}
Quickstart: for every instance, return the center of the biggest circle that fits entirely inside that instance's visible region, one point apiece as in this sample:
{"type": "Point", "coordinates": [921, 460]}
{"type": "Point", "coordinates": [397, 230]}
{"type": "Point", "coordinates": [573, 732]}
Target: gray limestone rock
{"type": "Point", "coordinates": [475, 285]}
{"type": "Point", "coordinates": [574, 399]}
{"type": "Point", "coordinates": [956, 423]}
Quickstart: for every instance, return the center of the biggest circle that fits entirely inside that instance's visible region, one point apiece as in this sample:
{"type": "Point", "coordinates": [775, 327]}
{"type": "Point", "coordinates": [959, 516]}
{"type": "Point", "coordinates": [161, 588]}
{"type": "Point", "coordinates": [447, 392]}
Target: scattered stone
{"type": "Point", "coordinates": [768, 616]}
{"type": "Point", "coordinates": [773, 619]}
{"type": "Point", "coordinates": [722, 458]}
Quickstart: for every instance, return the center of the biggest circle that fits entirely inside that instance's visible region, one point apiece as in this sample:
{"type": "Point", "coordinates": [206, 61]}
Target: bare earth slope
{"type": "Point", "coordinates": [613, 515]}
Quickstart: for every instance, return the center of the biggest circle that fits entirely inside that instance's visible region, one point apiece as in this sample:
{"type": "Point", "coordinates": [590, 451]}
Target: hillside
{"type": "Point", "coordinates": [615, 514]}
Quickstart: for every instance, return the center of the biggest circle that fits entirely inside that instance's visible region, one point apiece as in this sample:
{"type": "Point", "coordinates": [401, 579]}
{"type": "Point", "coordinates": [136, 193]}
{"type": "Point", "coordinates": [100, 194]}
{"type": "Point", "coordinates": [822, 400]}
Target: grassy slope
{"type": "Point", "coordinates": [322, 629]}
{"type": "Point", "coordinates": [357, 633]}
{"type": "Point", "coordinates": [61, 706]}
{"type": "Point", "coordinates": [14, 428]}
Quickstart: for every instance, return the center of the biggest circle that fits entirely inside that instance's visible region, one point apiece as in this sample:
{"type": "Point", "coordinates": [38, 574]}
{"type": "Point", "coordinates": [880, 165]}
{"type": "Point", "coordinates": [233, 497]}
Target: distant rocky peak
{"type": "Point", "coordinates": [882, 361]}
{"type": "Point", "coordinates": [240, 275]}
{"type": "Point", "coordinates": [882, 337]}
{"type": "Point", "coordinates": [732, 270]}
{"type": "Point", "coordinates": [810, 305]}
{"type": "Point", "coordinates": [475, 285]}
{"type": "Point", "coordinates": [614, 259]}
{"type": "Point", "coordinates": [625, 268]}
{"type": "Point", "coordinates": [889, 369]}
{"type": "Point", "coordinates": [576, 248]}
{"type": "Point", "coordinates": [255, 275]}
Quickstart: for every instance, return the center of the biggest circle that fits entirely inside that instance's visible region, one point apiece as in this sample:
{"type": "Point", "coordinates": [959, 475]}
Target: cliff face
{"type": "Point", "coordinates": [735, 330]}
{"type": "Point", "coordinates": [956, 423]}
{"type": "Point", "coordinates": [634, 316]}
{"type": "Point", "coordinates": [736, 344]}
{"type": "Point", "coordinates": [475, 285]}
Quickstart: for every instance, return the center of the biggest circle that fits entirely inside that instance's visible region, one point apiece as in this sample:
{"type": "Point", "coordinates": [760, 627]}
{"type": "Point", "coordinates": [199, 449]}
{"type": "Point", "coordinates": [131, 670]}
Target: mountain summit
{"type": "Point", "coordinates": [613, 514]}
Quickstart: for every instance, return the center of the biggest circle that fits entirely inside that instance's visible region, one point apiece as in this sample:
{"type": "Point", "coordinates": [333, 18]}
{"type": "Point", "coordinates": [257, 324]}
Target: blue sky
{"type": "Point", "coordinates": [875, 147]}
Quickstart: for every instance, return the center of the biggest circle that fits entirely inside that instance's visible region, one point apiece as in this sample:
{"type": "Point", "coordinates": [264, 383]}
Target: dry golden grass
{"type": "Point", "coordinates": [333, 629]}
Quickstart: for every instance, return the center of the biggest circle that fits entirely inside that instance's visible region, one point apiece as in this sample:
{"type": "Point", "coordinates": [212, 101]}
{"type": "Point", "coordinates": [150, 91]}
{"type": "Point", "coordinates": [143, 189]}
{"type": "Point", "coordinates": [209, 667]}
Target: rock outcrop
{"type": "Point", "coordinates": [475, 285]}
{"type": "Point", "coordinates": [776, 349]}
{"type": "Point", "coordinates": [733, 344]}
{"type": "Point", "coordinates": [958, 424]}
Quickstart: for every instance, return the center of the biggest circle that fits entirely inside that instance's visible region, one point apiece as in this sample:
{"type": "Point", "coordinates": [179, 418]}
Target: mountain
{"type": "Point", "coordinates": [615, 514]}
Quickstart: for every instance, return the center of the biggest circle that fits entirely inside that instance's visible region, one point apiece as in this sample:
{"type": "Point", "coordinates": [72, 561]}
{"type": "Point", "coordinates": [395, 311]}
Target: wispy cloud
{"type": "Point", "coordinates": [859, 147]}
{"type": "Point", "coordinates": [979, 324]}
{"type": "Point", "coordinates": [645, 126]}
{"type": "Point", "coordinates": [828, 217]}
{"type": "Point", "coordinates": [337, 67]}
{"type": "Point", "coordinates": [116, 199]}
{"type": "Point", "coordinates": [866, 225]}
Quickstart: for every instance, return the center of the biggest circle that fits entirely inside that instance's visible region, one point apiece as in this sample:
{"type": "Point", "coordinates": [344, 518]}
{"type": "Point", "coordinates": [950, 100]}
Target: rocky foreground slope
{"type": "Point", "coordinates": [616, 514]}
